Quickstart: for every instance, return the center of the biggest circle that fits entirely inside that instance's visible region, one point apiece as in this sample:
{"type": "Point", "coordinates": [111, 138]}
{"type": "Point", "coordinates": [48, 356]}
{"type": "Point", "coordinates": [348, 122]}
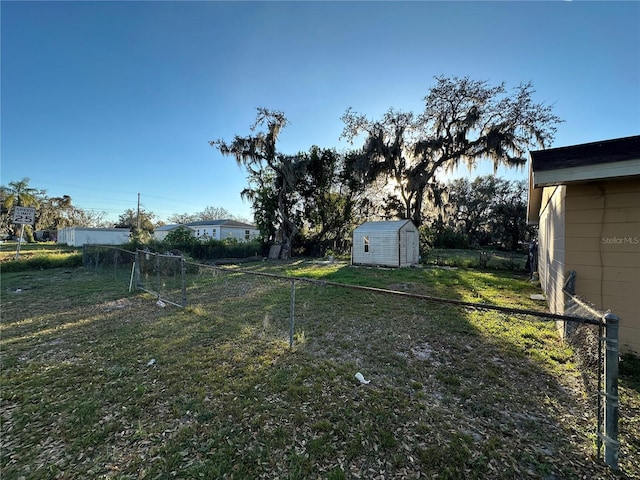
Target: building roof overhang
{"type": "Point", "coordinates": [606, 160]}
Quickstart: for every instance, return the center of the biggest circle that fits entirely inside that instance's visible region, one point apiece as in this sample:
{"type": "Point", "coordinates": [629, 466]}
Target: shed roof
{"type": "Point", "coordinates": [382, 226]}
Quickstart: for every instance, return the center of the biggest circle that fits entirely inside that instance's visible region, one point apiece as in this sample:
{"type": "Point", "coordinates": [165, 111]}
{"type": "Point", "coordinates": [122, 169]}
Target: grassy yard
{"type": "Point", "coordinates": [37, 256]}
{"type": "Point", "coordinates": [98, 382]}
{"type": "Point", "coordinates": [487, 258]}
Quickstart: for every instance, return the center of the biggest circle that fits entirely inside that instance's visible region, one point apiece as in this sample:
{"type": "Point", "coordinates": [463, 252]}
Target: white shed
{"type": "Point", "coordinates": [389, 243]}
{"type": "Point", "coordinates": [78, 236]}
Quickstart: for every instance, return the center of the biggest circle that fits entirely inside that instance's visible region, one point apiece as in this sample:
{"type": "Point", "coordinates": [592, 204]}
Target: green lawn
{"type": "Point", "coordinates": [486, 258]}
{"type": "Point", "coordinates": [98, 382]}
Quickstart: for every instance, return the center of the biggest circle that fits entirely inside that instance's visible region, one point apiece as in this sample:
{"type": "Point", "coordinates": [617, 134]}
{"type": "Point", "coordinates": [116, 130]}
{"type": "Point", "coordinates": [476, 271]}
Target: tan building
{"type": "Point", "coordinates": [586, 201]}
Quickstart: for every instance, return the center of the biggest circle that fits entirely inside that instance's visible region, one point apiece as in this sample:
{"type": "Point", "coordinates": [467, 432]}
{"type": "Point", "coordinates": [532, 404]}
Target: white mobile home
{"type": "Point", "coordinates": [160, 233]}
{"type": "Point", "coordinates": [78, 236]}
{"type": "Point", "coordinates": [205, 230]}
{"type": "Point", "coordinates": [388, 243]}
{"type": "Point", "coordinates": [224, 230]}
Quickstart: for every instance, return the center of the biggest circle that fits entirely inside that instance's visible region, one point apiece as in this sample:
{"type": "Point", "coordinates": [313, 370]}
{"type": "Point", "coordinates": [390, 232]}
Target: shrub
{"type": "Point", "coordinates": [213, 249]}
{"type": "Point", "coordinates": [180, 236]}
{"type": "Point", "coordinates": [43, 261]}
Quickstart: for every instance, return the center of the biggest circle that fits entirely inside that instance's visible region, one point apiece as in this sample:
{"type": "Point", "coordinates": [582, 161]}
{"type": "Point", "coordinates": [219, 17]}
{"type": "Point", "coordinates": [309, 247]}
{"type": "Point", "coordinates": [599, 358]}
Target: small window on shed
{"type": "Point", "coordinates": [247, 234]}
{"type": "Point", "coordinates": [366, 244]}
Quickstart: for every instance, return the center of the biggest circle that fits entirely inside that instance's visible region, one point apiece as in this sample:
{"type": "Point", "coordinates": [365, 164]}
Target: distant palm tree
{"type": "Point", "coordinates": [19, 194]}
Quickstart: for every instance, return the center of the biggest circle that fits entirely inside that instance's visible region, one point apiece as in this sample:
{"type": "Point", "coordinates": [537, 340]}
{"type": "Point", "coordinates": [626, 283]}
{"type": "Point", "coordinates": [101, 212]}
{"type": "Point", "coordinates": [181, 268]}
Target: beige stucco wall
{"type": "Point", "coordinates": [602, 229]}
{"type": "Point", "coordinates": [551, 245]}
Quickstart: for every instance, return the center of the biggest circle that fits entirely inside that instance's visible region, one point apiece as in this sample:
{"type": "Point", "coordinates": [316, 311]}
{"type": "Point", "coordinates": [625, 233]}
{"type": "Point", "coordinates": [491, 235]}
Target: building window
{"type": "Point", "coordinates": [366, 244]}
{"type": "Point", "coordinates": [247, 234]}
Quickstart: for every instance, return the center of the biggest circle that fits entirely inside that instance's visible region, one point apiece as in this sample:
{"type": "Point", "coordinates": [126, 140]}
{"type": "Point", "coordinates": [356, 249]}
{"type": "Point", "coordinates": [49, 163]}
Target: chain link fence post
{"type": "Point", "coordinates": [611, 405]}
{"type": "Point", "coordinates": [137, 269]}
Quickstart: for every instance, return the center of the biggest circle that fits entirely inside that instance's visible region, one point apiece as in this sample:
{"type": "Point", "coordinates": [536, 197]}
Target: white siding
{"type": "Point", "coordinates": [205, 233]}
{"type": "Point", "coordinates": [76, 236]}
{"type": "Point", "coordinates": [161, 233]}
{"type": "Point", "coordinates": [391, 244]}
{"type": "Point", "coordinates": [224, 230]}
{"type": "Point", "coordinates": [239, 233]}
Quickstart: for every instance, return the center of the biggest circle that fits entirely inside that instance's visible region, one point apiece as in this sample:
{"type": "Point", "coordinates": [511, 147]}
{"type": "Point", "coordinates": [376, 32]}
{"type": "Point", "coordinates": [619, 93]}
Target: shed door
{"type": "Point", "coordinates": [411, 246]}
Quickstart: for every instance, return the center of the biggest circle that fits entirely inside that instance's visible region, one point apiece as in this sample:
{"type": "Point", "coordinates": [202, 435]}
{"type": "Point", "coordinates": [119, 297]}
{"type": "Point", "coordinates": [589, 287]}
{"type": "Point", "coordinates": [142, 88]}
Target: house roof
{"type": "Point", "coordinates": [92, 229]}
{"type": "Point", "coordinates": [205, 223]}
{"type": "Point", "coordinates": [590, 161]}
{"type": "Point", "coordinates": [220, 223]}
{"type": "Point", "coordinates": [382, 226]}
{"type": "Point", "coordinates": [595, 153]}
{"type": "Point", "coordinates": [168, 228]}
{"type": "Point", "coordinates": [603, 160]}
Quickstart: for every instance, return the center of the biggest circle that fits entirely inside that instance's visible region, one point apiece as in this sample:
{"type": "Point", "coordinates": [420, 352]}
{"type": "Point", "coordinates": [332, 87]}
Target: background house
{"type": "Point", "coordinates": [160, 233]}
{"type": "Point", "coordinates": [586, 201]}
{"type": "Point", "coordinates": [392, 244]}
{"type": "Point", "coordinates": [214, 229]}
{"type": "Point", "coordinates": [78, 236]}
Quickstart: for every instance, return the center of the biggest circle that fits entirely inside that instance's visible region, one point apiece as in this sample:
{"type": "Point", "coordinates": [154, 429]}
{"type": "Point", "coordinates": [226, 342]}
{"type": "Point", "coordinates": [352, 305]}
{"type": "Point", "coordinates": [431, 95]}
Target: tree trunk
{"type": "Point", "coordinates": [287, 229]}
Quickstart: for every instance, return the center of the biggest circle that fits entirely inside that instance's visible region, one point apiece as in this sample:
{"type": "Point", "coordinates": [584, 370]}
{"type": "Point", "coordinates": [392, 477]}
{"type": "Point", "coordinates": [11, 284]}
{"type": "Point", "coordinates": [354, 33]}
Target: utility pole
{"type": "Point", "coordinates": [138, 216]}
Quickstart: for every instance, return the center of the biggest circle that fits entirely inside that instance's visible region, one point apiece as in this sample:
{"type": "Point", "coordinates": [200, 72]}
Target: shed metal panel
{"type": "Point", "coordinates": [386, 243]}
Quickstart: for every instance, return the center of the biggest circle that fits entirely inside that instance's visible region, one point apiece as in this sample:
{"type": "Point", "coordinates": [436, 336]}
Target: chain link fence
{"type": "Point", "coordinates": [115, 262]}
{"type": "Point", "coordinates": [596, 344]}
{"type": "Point", "coordinates": [287, 309]}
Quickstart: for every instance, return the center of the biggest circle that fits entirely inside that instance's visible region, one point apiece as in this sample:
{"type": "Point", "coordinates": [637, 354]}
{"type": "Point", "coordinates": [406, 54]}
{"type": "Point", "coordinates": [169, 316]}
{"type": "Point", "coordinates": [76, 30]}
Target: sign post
{"type": "Point", "coordinates": [23, 216]}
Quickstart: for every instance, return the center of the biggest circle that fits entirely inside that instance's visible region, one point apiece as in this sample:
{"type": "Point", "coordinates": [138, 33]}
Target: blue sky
{"type": "Point", "coordinates": [105, 100]}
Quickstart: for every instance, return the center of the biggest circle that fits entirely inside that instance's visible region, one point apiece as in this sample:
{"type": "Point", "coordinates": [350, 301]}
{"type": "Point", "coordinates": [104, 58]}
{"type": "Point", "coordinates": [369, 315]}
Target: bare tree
{"type": "Point", "coordinates": [214, 213]}
{"type": "Point", "coordinates": [182, 218]}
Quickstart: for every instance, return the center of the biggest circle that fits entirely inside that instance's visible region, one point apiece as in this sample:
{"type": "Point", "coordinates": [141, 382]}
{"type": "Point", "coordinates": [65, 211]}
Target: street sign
{"type": "Point", "coordinates": [24, 215]}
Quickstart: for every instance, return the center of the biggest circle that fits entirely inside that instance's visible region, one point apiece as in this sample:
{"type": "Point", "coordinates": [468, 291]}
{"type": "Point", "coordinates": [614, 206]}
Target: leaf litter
{"type": "Point", "coordinates": [232, 402]}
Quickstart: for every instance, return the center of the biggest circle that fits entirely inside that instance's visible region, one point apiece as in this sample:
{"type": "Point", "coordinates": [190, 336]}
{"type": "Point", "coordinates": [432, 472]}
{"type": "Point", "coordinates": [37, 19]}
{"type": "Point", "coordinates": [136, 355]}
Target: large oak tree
{"type": "Point", "coordinates": [464, 121]}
